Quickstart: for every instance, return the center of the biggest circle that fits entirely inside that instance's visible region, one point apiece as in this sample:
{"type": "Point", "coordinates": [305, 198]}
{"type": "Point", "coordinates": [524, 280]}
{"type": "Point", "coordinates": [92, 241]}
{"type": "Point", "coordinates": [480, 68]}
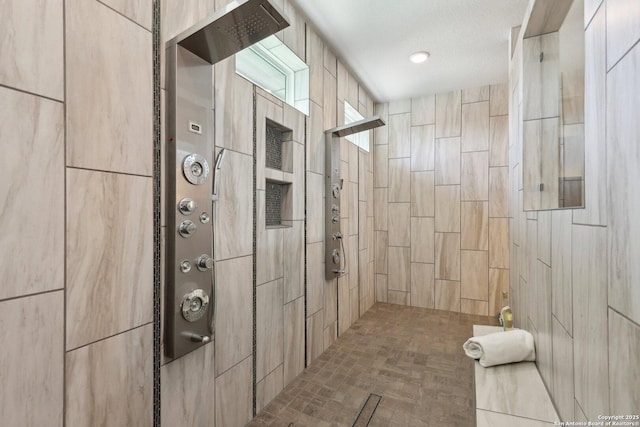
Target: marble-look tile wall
{"type": "Point", "coordinates": [574, 276]}
{"type": "Point", "coordinates": [77, 136]}
{"type": "Point", "coordinates": [224, 395]}
{"type": "Point", "coordinates": [441, 201]}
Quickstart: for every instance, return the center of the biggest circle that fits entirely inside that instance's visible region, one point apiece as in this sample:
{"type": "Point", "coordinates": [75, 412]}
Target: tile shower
{"type": "Point", "coordinates": [84, 122]}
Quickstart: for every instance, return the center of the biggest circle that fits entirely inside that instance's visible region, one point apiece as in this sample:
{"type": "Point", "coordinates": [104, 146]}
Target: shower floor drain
{"type": "Point", "coordinates": [366, 413]}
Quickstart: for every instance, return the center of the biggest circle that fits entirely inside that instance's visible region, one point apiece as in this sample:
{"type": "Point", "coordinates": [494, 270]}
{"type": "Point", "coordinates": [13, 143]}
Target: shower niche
{"type": "Point", "coordinates": [278, 174]}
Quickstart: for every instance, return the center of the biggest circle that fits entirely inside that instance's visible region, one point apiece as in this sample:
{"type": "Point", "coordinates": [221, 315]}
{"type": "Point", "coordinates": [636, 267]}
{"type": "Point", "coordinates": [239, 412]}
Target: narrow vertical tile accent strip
{"type": "Point", "coordinates": [157, 194]}
{"type": "Point", "coordinates": [367, 411]}
{"type": "Point", "coordinates": [255, 251]}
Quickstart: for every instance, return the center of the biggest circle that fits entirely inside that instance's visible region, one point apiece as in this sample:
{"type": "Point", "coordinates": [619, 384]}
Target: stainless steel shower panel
{"type": "Point", "coordinates": [189, 262]}
{"type": "Point", "coordinates": [335, 258]}
{"type": "Point", "coordinates": [333, 262]}
{"type": "Point", "coordinates": [190, 189]}
{"type": "Point", "coordinates": [233, 28]}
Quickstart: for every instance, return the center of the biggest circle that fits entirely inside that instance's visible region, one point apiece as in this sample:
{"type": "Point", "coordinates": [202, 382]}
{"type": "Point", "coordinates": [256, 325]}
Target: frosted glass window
{"type": "Point", "coordinates": [278, 70]}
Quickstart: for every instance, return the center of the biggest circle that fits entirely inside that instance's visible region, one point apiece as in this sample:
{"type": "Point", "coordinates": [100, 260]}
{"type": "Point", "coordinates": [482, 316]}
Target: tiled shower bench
{"type": "Point", "coordinates": [511, 395]}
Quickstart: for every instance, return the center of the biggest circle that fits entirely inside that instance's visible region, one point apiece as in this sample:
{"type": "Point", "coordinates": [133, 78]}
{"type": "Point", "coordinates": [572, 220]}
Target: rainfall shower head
{"type": "Point", "coordinates": [355, 127]}
{"type": "Point", "coordinates": [239, 25]}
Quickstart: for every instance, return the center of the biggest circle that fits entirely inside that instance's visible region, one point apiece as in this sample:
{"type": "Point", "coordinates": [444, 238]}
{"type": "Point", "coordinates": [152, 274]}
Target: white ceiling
{"type": "Point", "coordinates": [467, 39]}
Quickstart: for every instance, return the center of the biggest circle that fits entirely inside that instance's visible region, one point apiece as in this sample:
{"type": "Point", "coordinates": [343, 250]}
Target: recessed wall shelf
{"type": "Point", "coordinates": [279, 154]}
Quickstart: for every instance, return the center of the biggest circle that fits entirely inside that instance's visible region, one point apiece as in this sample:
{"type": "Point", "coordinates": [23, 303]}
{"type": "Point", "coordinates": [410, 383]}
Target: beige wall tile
{"type": "Point", "coordinates": [590, 7]}
{"type": "Point", "coordinates": [234, 395]}
{"type": "Point", "coordinates": [329, 101]}
{"type": "Point", "coordinates": [186, 392]}
{"type": "Point", "coordinates": [294, 325]}
{"type": "Point", "coordinates": [422, 285]}
{"type": "Point", "coordinates": [315, 207]}
{"type": "Point", "coordinates": [234, 121]}
{"type": "Point", "coordinates": [315, 333]}
{"type": "Point", "coordinates": [422, 240]}
{"type": "Point", "coordinates": [475, 225]}
{"type": "Point", "coordinates": [293, 261]}
{"type": "Point", "coordinates": [423, 110]}
{"type": "Point", "coordinates": [380, 209]}
{"type": "Point", "coordinates": [399, 135]}
{"type": "Point", "coordinates": [233, 312]}
{"type": "Point", "coordinates": [269, 246]}
{"type": "Point", "coordinates": [422, 148]}
{"type": "Point", "coordinates": [447, 208]}
{"type": "Point", "coordinates": [381, 166]}
{"type": "Point", "coordinates": [381, 288]}
{"type": "Point", "coordinates": [117, 119]}
{"type": "Point", "coordinates": [499, 192]}
{"type": "Point", "coordinates": [269, 333]}
{"type": "Point", "coordinates": [315, 141]}
{"type": "Point", "coordinates": [352, 251]}
{"type": "Point", "coordinates": [499, 141]}
{"type": "Point", "coordinates": [562, 371]}
{"type": "Point", "coordinates": [624, 364]}
{"type": "Point", "coordinates": [498, 283]}
{"type": "Point", "coordinates": [315, 276]}
{"type": "Point", "coordinates": [353, 162]}
{"type": "Point", "coordinates": [381, 134]}
{"type": "Point", "coordinates": [448, 161]}
{"type": "Point", "coordinates": [422, 193]}
{"type": "Point", "coordinates": [542, 320]}
{"type": "Point", "coordinates": [561, 303]}
{"type": "Point", "coordinates": [623, 28]}
{"type": "Point", "coordinates": [400, 106]}
{"type": "Point", "coordinates": [447, 295]}
{"type": "Point", "coordinates": [447, 256]}
{"type": "Point", "coordinates": [100, 236]}
{"type": "Point", "coordinates": [590, 334]}
{"type": "Point", "coordinates": [623, 199]}
{"type": "Point", "coordinates": [399, 269]}
{"type": "Point", "coordinates": [499, 100]}
{"type": "Point", "coordinates": [233, 219]}
{"type": "Point", "coordinates": [344, 305]}
{"type": "Point", "coordinates": [499, 242]}
{"type": "Point", "coordinates": [120, 371]}
{"type": "Point", "coordinates": [475, 275]}
{"type": "Point", "coordinates": [399, 180]}
{"type": "Point", "coordinates": [475, 127]}
{"type": "Point", "coordinates": [398, 297]}
{"type": "Point", "coordinates": [294, 35]}
{"type": "Point", "coordinates": [139, 11]}
{"type": "Point", "coordinates": [399, 224]}
{"type": "Point", "coordinates": [381, 250]}
{"type": "Point", "coordinates": [268, 388]}
{"type": "Point", "coordinates": [32, 385]}
{"type": "Point", "coordinates": [475, 175]}
{"type": "Point", "coordinates": [544, 237]}
{"type": "Point", "coordinates": [448, 114]}
{"type": "Point", "coordinates": [32, 47]}
{"type": "Point", "coordinates": [330, 60]}
{"type": "Point", "coordinates": [470, 306]}
{"type": "Point", "coordinates": [330, 303]}
{"type": "Point", "coordinates": [31, 140]}
{"type": "Point", "coordinates": [315, 60]}
{"type": "Point", "coordinates": [475, 94]}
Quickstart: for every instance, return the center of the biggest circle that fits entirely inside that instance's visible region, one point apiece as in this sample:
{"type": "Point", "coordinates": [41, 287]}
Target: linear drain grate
{"type": "Point", "coordinates": [366, 413]}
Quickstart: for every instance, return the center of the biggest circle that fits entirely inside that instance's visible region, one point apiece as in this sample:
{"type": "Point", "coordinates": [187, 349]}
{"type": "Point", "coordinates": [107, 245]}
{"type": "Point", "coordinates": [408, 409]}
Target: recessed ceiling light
{"type": "Point", "coordinates": [419, 57]}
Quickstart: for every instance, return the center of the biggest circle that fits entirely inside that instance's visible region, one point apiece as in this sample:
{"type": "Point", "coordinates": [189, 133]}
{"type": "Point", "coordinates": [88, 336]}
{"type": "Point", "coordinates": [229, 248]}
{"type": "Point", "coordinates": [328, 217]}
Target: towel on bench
{"type": "Point", "coordinates": [499, 348]}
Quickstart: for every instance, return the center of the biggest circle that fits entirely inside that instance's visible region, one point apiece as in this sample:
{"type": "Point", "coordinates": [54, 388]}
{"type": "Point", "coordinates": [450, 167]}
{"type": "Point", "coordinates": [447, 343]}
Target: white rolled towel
{"type": "Point", "coordinates": [499, 348]}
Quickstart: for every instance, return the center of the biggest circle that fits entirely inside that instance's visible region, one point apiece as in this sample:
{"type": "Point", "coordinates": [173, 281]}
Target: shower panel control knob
{"type": "Point", "coordinates": [187, 206]}
{"type": "Point", "coordinates": [335, 255]}
{"type": "Point", "coordinates": [187, 228]}
{"type": "Point", "coordinates": [204, 262]}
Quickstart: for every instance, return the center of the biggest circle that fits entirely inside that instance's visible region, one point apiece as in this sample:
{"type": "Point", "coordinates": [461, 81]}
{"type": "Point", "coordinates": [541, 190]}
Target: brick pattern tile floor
{"type": "Point", "coordinates": [412, 357]}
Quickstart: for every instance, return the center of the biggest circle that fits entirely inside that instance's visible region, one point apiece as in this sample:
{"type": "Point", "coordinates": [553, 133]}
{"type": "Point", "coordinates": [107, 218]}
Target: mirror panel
{"type": "Point", "coordinates": [553, 108]}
